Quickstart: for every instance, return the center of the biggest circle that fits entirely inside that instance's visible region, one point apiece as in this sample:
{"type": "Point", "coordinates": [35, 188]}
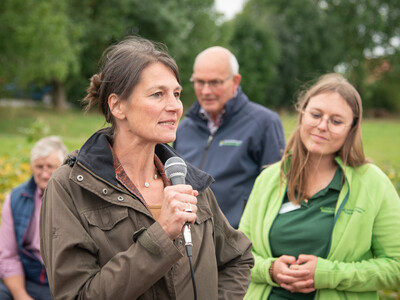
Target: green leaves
{"type": "Point", "coordinates": [283, 44]}
{"type": "Point", "coordinates": [46, 41]}
{"type": "Point", "coordinates": [43, 45]}
{"type": "Point", "coordinates": [280, 44]}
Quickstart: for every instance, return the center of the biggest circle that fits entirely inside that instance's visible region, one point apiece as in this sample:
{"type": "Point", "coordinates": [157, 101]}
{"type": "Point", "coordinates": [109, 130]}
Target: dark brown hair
{"type": "Point", "coordinates": [294, 167]}
{"type": "Point", "coordinates": [120, 69]}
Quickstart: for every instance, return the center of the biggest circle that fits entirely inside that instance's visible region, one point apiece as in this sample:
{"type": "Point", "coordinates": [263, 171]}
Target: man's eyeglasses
{"type": "Point", "coordinates": [314, 118]}
{"type": "Point", "coordinates": [212, 84]}
{"type": "Point", "coordinates": [41, 168]}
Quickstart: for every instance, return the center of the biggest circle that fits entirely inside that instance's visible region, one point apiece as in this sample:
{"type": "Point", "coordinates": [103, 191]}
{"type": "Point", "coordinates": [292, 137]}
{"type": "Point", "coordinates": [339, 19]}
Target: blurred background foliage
{"type": "Point", "coordinates": [280, 44]}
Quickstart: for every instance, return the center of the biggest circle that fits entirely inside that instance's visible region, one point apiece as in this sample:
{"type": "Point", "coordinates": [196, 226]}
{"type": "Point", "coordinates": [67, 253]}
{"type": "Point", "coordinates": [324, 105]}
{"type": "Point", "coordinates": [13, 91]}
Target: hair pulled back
{"type": "Point", "coordinates": [120, 68]}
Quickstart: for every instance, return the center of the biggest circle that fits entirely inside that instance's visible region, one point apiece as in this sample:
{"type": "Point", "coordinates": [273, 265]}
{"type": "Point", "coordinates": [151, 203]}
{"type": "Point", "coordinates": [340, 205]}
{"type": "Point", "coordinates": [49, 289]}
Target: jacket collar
{"type": "Point", "coordinates": [31, 187]}
{"type": "Point", "coordinates": [96, 156]}
{"type": "Point", "coordinates": [233, 106]}
{"type": "Point", "coordinates": [345, 168]}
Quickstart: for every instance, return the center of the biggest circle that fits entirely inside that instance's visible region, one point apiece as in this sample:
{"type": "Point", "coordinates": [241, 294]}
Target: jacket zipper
{"type": "Point", "coordinates": [203, 160]}
{"type": "Point", "coordinates": [316, 296]}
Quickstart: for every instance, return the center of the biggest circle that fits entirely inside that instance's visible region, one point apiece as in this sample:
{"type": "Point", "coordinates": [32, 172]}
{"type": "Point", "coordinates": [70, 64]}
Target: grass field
{"type": "Point", "coordinates": [21, 127]}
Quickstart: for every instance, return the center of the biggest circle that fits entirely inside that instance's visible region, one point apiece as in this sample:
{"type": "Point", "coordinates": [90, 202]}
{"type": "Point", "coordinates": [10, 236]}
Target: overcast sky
{"type": "Point", "coordinates": [229, 7]}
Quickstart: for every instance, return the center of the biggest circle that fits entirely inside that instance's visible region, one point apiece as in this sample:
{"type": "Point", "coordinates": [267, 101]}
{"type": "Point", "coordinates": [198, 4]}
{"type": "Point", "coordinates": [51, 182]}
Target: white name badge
{"type": "Point", "coordinates": [288, 206]}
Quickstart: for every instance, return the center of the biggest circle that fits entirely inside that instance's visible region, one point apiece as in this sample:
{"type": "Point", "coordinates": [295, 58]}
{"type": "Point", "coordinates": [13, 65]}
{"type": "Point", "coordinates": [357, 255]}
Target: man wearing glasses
{"type": "Point", "coordinates": [225, 134]}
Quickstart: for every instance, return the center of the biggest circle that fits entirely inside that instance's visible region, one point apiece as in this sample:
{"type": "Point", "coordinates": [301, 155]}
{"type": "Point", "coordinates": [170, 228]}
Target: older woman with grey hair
{"type": "Point", "coordinates": [21, 265]}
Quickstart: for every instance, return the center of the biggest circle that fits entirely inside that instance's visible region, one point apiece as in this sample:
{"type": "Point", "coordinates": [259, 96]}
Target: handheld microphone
{"type": "Point", "coordinates": [176, 169]}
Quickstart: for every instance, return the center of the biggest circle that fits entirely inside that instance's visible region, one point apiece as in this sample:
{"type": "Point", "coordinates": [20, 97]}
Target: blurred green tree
{"type": "Point", "coordinates": [299, 47]}
{"type": "Point", "coordinates": [257, 50]}
{"type": "Point", "coordinates": [369, 44]}
{"type": "Point", "coordinates": [184, 26]}
{"type": "Point", "coordinates": [307, 38]}
{"type": "Point", "coordinates": [38, 43]}
{"type": "Point", "coordinates": [60, 42]}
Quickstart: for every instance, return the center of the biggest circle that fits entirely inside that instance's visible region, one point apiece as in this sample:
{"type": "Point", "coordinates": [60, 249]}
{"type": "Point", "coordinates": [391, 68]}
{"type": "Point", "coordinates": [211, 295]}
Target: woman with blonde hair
{"type": "Point", "coordinates": [324, 222]}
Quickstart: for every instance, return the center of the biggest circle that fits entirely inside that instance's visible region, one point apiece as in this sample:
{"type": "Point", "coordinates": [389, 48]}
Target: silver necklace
{"type": "Point", "coordinates": [147, 184]}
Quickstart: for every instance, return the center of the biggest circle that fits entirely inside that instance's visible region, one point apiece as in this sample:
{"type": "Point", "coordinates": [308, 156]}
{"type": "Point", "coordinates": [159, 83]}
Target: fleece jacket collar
{"type": "Point", "coordinates": [232, 107]}
{"type": "Point", "coordinates": [96, 155]}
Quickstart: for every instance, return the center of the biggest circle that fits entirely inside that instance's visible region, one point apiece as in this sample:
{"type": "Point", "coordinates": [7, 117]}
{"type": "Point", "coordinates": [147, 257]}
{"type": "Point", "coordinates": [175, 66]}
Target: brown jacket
{"type": "Point", "coordinates": [98, 241]}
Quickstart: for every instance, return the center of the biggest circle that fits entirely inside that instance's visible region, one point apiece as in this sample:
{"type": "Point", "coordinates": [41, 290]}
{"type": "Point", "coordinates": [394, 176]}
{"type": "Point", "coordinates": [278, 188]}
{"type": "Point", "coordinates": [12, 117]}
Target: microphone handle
{"type": "Point", "coordinates": [180, 179]}
{"type": "Point", "coordinates": [187, 234]}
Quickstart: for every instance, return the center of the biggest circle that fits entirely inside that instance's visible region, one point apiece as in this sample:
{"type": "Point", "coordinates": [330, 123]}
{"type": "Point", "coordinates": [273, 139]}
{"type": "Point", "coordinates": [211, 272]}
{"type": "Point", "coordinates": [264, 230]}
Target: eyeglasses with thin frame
{"type": "Point", "coordinates": [212, 84]}
{"type": "Point", "coordinates": [41, 168]}
{"type": "Point", "coordinates": [334, 123]}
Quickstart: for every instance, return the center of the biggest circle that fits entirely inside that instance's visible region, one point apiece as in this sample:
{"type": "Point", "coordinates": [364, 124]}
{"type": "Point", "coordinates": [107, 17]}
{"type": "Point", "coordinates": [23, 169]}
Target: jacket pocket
{"type": "Point", "coordinates": [110, 229]}
{"type": "Point", "coordinates": [203, 214]}
{"type": "Point", "coordinates": [107, 217]}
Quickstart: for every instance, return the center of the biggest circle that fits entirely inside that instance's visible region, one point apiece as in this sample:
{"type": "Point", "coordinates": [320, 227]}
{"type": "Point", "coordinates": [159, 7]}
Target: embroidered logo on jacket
{"type": "Point", "coordinates": [356, 209]}
{"type": "Point", "coordinates": [327, 209]}
{"type": "Point", "coordinates": [234, 143]}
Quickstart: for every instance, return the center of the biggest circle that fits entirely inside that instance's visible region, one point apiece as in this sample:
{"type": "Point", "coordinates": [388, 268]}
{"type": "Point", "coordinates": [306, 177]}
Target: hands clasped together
{"type": "Point", "coordinates": [175, 211]}
{"type": "Point", "coordinates": [294, 275]}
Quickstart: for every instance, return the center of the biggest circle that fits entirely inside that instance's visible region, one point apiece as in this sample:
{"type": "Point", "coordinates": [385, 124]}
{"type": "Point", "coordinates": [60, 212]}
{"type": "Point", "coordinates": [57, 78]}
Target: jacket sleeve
{"type": "Point", "coordinates": [10, 263]}
{"type": "Point", "coordinates": [262, 262]}
{"type": "Point", "coordinates": [70, 254]}
{"type": "Point", "coordinates": [380, 272]}
{"type": "Point", "coordinates": [272, 142]}
{"type": "Point", "coordinates": [233, 253]}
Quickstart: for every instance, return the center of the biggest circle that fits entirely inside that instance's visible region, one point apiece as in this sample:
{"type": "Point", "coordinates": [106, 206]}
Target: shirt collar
{"type": "Point", "coordinates": [211, 124]}
{"type": "Point", "coordinates": [123, 178]}
{"type": "Point", "coordinates": [337, 181]}
{"type": "Point", "coordinates": [335, 184]}
{"type": "Point", "coordinates": [38, 193]}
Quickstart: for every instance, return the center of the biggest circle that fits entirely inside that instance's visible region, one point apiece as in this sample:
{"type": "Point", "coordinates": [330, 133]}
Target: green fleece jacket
{"type": "Point", "coordinates": [364, 253]}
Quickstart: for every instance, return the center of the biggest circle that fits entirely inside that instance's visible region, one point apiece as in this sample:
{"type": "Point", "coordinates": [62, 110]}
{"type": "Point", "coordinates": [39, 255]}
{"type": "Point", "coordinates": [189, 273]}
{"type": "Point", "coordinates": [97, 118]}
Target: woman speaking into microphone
{"type": "Point", "coordinates": [111, 222]}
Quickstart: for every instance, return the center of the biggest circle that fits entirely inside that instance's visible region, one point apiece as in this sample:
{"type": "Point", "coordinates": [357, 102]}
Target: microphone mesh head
{"type": "Point", "coordinates": [175, 166]}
